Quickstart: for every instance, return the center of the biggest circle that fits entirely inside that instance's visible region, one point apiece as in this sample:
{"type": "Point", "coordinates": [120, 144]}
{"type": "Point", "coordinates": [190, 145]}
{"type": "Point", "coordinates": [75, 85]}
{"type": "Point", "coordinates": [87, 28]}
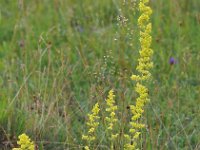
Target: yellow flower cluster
{"type": "Point", "coordinates": [144, 64]}
{"type": "Point", "coordinates": [25, 143]}
{"type": "Point", "coordinates": [93, 122]}
{"type": "Point", "coordinates": [112, 119]}
{"type": "Point", "coordinates": [111, 108]}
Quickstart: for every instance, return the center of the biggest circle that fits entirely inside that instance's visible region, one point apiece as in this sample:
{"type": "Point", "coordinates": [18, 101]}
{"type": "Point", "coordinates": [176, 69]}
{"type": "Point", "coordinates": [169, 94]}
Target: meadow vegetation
{"type": "Point", "coordinates": [60, 58]}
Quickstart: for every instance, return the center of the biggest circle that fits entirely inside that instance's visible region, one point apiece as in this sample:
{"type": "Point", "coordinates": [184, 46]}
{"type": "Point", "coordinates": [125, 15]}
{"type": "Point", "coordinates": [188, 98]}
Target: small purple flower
{"type": "Point", "coordinates": [172, 61]}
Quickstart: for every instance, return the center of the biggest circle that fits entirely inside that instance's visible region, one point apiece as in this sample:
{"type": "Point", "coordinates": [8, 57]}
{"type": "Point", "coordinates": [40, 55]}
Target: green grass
{"type": "Point", "coordinates": [57, 58]}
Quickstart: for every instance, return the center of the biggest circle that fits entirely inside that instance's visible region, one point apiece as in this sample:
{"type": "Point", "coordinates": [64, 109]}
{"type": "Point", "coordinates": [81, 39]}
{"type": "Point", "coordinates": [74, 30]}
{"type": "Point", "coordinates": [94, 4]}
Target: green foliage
{"type": "Point", "coordinates": [3, 106]}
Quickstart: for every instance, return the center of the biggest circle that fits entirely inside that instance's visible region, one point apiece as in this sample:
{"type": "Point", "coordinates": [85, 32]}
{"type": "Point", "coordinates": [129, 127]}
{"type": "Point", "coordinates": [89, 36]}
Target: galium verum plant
{"type": "Point", "coordinates": [143, 67]}
{"type": "Point", "coordinates": [111, 119]}
{"type": "Point", "coordinates": [92, 123]}
{"type": "Point", "coordinates": [25, 143]}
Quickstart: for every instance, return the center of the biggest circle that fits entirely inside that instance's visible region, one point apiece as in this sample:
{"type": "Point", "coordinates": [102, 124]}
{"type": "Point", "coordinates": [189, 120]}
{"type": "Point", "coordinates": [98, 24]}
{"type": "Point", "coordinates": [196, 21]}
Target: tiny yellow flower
{"type": "Point", "coordinates": [87, 148]}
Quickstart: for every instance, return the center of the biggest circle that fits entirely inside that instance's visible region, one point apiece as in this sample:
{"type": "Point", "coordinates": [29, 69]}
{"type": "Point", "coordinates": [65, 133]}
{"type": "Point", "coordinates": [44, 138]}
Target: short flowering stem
{"type": "Point", "coordinates": [92, 123]}
{"type": "Point", "coordinates": [111, 119]}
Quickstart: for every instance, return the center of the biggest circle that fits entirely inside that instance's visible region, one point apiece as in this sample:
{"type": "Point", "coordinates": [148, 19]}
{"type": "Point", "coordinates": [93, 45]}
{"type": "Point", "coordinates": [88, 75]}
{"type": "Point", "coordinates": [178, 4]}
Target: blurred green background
{"type": "Point", "coordinates": [59, 57]}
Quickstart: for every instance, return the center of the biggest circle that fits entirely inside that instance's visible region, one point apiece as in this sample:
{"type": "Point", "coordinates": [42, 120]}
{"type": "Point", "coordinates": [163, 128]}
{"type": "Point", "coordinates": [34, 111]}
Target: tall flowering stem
{"type": "Point", "coordinates": [93, 122]}
{"type": "Point", "coordinates": [143, 67]}
{"type": "Point", "coordinates": [112, 118]}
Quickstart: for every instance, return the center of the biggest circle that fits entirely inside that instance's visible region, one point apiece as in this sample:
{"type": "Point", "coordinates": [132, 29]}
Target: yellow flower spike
{"type": "Point", "coordinates": [111, 119]}
{"type": "Point", "coordinates": [93, 122]}
{"type": "Point", "coordinates": [25, 143]}
{"type": "Point", "coordinates": [144, 64]}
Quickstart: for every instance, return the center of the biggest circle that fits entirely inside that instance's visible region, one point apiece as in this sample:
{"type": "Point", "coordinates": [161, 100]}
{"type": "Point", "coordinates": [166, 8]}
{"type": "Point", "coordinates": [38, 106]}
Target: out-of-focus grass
{"type": "Point", "coordinates": [57, 58]}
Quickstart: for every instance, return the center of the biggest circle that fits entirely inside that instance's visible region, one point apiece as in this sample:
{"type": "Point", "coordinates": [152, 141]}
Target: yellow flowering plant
{"type": "Point", "coordinates": [144, 64]}
{"type": "Point", "coordinates": [112, 118]}
{"type": "Point", "coordinates": [25, 143]}
{"type": "Point", "coordinates": [92, 123]}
